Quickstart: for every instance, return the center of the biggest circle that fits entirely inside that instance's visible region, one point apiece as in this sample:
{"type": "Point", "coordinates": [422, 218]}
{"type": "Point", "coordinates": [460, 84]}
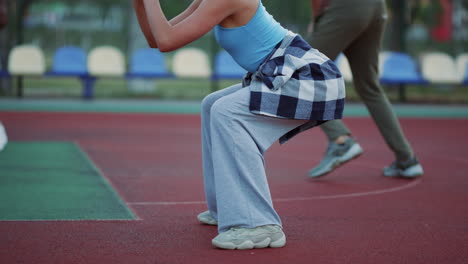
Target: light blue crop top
{"type": "Point", "coordinates": [250, 44]}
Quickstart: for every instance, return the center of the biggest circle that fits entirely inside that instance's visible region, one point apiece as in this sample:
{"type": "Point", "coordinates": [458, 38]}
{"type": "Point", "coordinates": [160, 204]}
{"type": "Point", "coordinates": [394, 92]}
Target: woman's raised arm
{"type": "Point", "coordinates": [139, 7]}
{"type": "Point", "coordinates": [187, 12]}
{"type": "Point", "coordinates": [205, 17]}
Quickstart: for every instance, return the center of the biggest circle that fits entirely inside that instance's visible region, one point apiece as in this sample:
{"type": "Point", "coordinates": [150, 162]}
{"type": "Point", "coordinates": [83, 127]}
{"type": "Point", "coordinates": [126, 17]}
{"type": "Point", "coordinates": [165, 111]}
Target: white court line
{"type": "Point", "coordinates": [71, 220]}
{"type": "Point", "coordinates": [350, 195]}
{"type": "Point", "coordinates": [107, 180]}
{"type": "Point", "coordinates": [294, 199]}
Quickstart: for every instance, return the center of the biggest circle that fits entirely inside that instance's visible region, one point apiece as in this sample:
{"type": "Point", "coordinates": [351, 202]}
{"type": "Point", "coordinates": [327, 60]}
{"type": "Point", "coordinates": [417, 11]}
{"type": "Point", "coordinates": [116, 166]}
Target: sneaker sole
{"type": "Point", "coordinates": [354, 152]}
{"type": "Point", "coordinates": [249, 244]}
{"type": "Point", "coordinates": [412, 172]}
{"type": "Point", "coordinates": [207, 222]}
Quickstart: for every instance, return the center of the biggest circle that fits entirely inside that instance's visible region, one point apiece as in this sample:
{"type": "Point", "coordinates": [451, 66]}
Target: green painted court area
{"type": "Point", "coordinates": [54, 181]}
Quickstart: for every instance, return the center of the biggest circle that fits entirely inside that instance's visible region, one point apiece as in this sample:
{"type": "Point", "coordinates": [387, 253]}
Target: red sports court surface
{"type": "Point", "coordinates": [353, 215]}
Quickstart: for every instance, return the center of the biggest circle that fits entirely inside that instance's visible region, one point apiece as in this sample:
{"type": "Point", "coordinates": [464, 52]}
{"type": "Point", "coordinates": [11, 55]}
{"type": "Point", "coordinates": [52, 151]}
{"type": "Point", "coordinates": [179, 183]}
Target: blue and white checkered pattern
{"type": "Point", "coordinates": [297, 82]}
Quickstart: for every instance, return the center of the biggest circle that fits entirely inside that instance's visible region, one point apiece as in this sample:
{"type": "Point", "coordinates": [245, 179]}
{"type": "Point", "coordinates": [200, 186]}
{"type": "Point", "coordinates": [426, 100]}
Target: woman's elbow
{"type": "Point", "coordinates": [152, 44]}
{"type": "Point", "coordinates": [166, 46]}
{"type": "Point", "coordinates": [163, 48]}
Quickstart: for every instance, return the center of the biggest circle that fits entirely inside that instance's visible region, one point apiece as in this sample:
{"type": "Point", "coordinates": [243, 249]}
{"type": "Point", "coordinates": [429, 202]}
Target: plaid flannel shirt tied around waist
{"type": "Point", "coordinates": [297, 82]}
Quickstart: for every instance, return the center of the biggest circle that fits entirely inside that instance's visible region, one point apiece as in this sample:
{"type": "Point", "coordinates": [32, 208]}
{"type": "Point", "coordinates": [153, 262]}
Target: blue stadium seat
{"type": "Point", "coordinates": [148, 63]}
{"type": "Point", "coordinates": [225, 67]}
{"type": "Point", "coordinates": [400, 68]}
{"type": "Point", "coordinates": [3, 73]}
{"type": "Point", "coordinates": [465, 78]}
{"type": "Point", "coordinates": [465, 81]}
{"type": "Point", "coordinates": [462, 65]}
{"type": "Point", "coordinates": [69, 61]}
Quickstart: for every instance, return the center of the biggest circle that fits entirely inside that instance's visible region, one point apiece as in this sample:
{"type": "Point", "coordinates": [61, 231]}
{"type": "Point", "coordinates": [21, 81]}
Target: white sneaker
{"type": "Point", "coordinates": [3, 137]}
{"type": "Point", "coordinates": [207, 219]}
{"type": "Point", "coordinates": [406, 169]}
{"type": "Point", "coordinates": [249, 238]}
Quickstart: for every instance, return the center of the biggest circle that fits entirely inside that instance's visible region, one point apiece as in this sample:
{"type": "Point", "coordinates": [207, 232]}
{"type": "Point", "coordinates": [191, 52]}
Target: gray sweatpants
{"type": "Point", "coordinates": [233, 144]}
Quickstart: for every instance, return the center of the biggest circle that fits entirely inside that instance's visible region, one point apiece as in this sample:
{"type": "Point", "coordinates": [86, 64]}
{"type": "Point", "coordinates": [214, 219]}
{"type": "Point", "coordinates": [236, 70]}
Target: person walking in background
{"type": "Point", "coordinates": [289, 88]}
{"type": "Point", "coordinates": [356, 27]}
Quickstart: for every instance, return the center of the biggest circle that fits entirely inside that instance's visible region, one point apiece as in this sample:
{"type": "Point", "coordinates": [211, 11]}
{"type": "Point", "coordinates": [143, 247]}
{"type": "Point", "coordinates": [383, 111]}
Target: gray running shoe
{"type": "Point", "coordinates": [336, 155]}
{"type": "Point", "coordinates": [249, 238]}
{"type": "Point", "coordinates": [207, 219]}
{"type": "Point", "coordinates": [406, 169]}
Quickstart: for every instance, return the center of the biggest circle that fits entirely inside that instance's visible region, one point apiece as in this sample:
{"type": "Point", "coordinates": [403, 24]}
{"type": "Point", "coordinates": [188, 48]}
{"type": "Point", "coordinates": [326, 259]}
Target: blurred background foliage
{"type": "Point", "coordinates": [54, 23]}
{"type": "Point", "coordinates": [414, 26]}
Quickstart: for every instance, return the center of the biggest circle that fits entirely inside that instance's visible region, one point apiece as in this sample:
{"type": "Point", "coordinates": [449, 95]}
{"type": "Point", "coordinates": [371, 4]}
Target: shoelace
{"type": "Point", "coordinates": [232, 231]}
{"type": "Point", "coordinates": [403, 164]}
{"type": "Point", "coordinates": [332, 148]}
{"type": "Point", "coordinates": [335, 149]}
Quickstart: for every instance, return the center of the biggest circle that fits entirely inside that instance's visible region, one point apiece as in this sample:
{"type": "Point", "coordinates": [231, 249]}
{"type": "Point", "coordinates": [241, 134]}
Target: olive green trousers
{"type": "Point", "coordinates": [355, 28]}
